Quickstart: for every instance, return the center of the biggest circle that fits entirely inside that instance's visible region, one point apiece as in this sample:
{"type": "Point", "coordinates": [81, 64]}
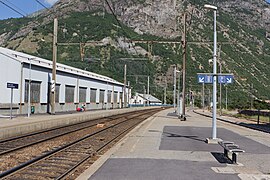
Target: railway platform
{"type": "Point", "coordinates": [163, 147]}
{"type": "Point", "coordinates": [23, 124]}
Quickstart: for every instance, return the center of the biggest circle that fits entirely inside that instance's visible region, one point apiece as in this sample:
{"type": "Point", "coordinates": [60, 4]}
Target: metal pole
{"type": "Point", "coordinates": [106, 96]}
{"type": "Point", "coordinates": [178, 95]}
{"type": "Point", "coordinates": [251, 97]}
{"type": "Point", "coordinates": [128, 93]}
{"type": "Point", "coordinates": [29, 89]}
{"type": "Point", "coordinates": [144, 96]}
{"type": "Point", "coordinates": [174, 87]}
{"type": "Point", "coordinates": [220, 85]}
{"type": "Point", "coordinates": [125, 83]}
{"type": "Point", "coordinates": [112, 97]}
{"type": "Point", "coordinates": [214, 120]}
{"type": "Point", "coordinates": [203, 96]}
{"type": "Point", "coordinates": [226, 99]}
{"type": "Point", "coordinates": [11, 101]}
{"type": "Point", "coordinates": [209, 98]}
{"type": "Point", "coordinates": [165, 95]}
{"type": "Point", "coordinates": [184, 68]}
{"type": "Point", "coordinates": [21, 88]}
{"type": "Point", "coordinates": [54, 66]}
{"type": "Point", "coordinates": [148, 90]}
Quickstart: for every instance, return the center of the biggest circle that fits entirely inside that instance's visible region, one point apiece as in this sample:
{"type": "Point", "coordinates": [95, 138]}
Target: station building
{"type": "Point", "coordinates": [73, 88]}
{"type": "Point", "coordinates": [142, 99]}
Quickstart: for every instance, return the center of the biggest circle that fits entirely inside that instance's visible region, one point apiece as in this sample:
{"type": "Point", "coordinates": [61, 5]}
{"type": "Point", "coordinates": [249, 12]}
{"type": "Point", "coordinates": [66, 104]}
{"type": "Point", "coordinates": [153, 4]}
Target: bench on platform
{"type": "Point", "coordinates": [230, 147]}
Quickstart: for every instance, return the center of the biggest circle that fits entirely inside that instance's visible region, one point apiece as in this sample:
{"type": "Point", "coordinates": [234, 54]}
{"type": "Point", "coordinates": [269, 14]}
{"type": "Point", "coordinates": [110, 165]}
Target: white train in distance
{"type": "Point", "coordinates": [73, 87]}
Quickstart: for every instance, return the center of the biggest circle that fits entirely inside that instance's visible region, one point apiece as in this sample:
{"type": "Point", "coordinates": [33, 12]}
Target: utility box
{"type": "Point", "coordinates": [32, 109]}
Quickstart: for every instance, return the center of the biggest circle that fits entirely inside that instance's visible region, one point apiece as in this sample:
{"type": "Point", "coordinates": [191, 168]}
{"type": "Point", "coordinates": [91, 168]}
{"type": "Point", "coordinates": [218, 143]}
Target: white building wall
{"type": "Point", "coordinates": [10, 71]}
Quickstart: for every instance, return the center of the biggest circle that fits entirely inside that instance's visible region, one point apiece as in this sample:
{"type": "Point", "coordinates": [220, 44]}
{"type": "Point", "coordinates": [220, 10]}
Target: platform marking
{"type": "Point", "coordinates": [146, 129]}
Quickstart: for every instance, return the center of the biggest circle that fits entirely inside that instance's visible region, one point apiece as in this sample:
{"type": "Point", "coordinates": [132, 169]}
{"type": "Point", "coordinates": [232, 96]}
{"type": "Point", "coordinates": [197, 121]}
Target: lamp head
{"type": "Point", "coordinates": [207, 6]}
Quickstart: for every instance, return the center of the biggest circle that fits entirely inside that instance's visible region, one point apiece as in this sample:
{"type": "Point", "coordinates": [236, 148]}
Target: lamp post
{"type": "Point", "coordinates": [214, 119]}
{"type": "Point", "coordinates": [29, 89]}
{"type": "Point", "coordinates": [174, 87]}
{"type": "Point", "coordinates": [178, 96]}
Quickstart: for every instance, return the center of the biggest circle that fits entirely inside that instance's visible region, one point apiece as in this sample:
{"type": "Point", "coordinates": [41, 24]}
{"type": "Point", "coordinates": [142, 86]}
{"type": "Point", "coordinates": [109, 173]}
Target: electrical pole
{"type": "Point", "coordinates": [184, 68]}
{"type": "Point", "coordinates": [54, 66]}
{"type": "Point", "coordinates": [174, 87]}
{"type": "Point", "coordinates": [125, 82]}
{"type": "Point", "coordinates": [144, 96]}
{"type": "Point", "coordinates": [178, 96]}
{"type": "Point", "coordinates": [128, 92]}
{"type": "Point", "coordinates": [148, 90]}
{"type": "Point", "coordinates": [29, 89]}
{"type": "Point", "coordinates": [165, 91]}
{"type": "Point", "coordinates": [251, 96]}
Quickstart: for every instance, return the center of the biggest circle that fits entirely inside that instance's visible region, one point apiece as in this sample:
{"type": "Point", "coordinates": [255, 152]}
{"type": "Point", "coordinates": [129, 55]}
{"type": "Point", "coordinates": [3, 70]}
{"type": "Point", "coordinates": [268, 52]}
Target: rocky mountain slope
{"type": "Point", "coordinates": [243, 33]}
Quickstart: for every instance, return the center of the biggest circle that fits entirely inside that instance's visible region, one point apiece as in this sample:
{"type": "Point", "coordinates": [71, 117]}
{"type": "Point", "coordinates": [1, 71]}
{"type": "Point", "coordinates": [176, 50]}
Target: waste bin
{"type": "Point", "coordinates": [32, 109]}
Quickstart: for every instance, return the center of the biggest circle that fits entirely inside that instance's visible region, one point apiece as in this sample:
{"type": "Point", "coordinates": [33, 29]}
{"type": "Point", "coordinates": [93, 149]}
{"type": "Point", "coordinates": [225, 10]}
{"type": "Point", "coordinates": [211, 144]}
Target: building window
{"type": "Point", "coordinates": [93, 95]}
{"type": "Point", "coordinates": [34, 93]}
{"type": "Point", "coordinates": [109, 96]}
{"type": "Point", "coordinates": [115, 100]}
{"type": "Point", "coordinates": [82, 94]}
{"type": "Point", "coordinates": [101, 96]}
{"type": "Point", "coordinates": [69, 91]}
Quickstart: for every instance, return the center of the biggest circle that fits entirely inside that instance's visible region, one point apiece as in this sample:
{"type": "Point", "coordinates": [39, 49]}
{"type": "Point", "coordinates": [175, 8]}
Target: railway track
{"type": "Point", "coordinates": [257, 127]}
{"type": "Point", "coordinates": [59, 161]}
{"type": "Point", "coordinates": [20, 142]}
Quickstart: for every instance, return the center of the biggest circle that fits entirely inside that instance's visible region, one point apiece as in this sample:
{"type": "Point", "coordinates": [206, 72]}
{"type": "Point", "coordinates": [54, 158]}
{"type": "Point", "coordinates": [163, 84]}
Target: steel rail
{"type": "Point", "coordinates": [57, 135]}
{"type": "Point", "coordinates": [98, 150]}
{"type": "Point", "coordinates": [51, 153]}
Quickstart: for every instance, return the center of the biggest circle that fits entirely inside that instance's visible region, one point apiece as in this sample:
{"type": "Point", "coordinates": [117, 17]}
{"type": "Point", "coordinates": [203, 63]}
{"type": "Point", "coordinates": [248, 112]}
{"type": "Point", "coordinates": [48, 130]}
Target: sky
{"type": "Point", "coordinates": [22, 6]}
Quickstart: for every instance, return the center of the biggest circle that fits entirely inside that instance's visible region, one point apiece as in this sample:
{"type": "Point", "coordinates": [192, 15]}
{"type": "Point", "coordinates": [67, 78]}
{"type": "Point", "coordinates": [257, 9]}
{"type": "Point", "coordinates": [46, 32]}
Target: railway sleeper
{"type": "Point", "coordinates": [79, 151]}
{"type": "Point", "coordinates": [58, 158]}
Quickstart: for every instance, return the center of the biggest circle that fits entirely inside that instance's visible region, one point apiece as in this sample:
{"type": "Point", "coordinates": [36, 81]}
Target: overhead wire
{"type": "Point", "coordinates": [42, 4]}
{"type": "Point", "coordinates": [23, 15]}
{"type": "Point", "coordinates": [118, 22]}
{"type": "Point", "coordinates": [12, 8]}
{"type": "Point", "coordinates": [16, 7]}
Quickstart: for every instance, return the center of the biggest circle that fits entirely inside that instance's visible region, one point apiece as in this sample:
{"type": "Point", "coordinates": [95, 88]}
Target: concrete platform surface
{"type": "Point", "coordinates": [163, 147]}
{"type": "Point", "coordinates": [22, 124]}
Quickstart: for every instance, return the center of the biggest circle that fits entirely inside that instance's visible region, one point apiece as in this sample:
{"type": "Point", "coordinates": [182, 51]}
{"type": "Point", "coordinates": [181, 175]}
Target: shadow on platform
{"type": "Point", "coordinates": [168, 134]}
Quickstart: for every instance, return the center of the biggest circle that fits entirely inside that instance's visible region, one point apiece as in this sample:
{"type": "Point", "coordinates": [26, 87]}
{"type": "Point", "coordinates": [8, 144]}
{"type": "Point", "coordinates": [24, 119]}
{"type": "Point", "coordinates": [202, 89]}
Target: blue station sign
{"type": "Point", "coordinates": [227, 79]}
{"type": "Point", "coordinates": [205, 78]}
{"type": "Point", "coordinates": [222, 78]}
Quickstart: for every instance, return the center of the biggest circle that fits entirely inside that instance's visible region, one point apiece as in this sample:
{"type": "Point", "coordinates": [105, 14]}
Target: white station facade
{"type": "Point", "coordinates": [74, 87]}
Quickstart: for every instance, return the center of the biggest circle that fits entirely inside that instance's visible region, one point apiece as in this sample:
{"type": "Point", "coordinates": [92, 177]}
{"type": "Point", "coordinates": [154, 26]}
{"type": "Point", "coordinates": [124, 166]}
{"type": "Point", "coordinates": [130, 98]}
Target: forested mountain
{"type": "Point", "coordinates": [138, 32]}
